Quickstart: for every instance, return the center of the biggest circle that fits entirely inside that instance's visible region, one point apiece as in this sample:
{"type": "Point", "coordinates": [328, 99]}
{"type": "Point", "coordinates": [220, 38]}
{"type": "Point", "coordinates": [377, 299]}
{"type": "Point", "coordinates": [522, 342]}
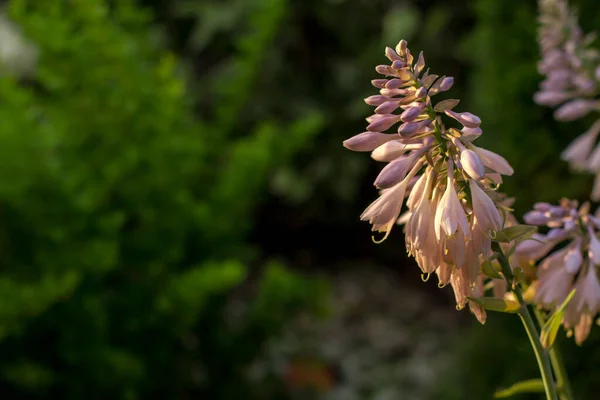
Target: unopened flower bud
{"type": "Point", "coordinates": [368, 141]}
{"type": "Point", "coordinates": [472, 164]}
{"type": "Point", "coordinates": [535, 218]}
{"type": "Point", "coordinates": [401, 47]}
{"type": "Point", "coordinates": [411, 113]}
{"type": "Point", "coordinates": [391, 54]}
{"type": "Point", "coordinates": [385, 70]}
{"type": "Point", "coordinates": [398, 65]}
{"type": "Point", "coordinates": [377, 100]}
{"type": "Point", "coordinates": [574, 109]}
{"type": "Point", "coordinates": [465, 118]}
{"type": "Point", "coordinates": [383, 122]}
{"type": "Point", "coordinates": [421, 93]}
{"type": "Point", "coordinates": [379, 83]}
{"type": "Point", "coordinates": [387, 108]}
{"type": "Point", "coordinates": [550, 98]}
{"type": "Point", "coordinates": [446, 84]}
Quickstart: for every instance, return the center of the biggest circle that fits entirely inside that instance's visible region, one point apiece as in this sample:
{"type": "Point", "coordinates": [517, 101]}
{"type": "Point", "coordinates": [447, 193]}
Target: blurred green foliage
{"type": "Point", "coordinates": [124, 217]}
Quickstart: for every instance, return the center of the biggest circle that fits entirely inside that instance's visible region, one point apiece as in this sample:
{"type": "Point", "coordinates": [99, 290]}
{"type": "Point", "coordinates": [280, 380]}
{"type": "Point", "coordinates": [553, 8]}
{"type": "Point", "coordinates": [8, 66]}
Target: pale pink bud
{"type": "Point", "coordinates": [379, 83]}
{"type": "Point", "coordinates": [574, 109]}
{"type": "Point", "coordinates": [470, 134]}
{"type": "Point", "coordinates": [493, 161]}
{"type": "Point", "coordinates": [383, 122]}
{"type": "Point", "coordinates": [385, 70]}
{"type": "Point", "coordinates": [391, 150]}
{"type": "Point", "coordinates": [377, 100]}
{"type": "Point", "coordinates": [387, 108]}
{"type": "Point", "coordinates": [472, 164]}
{"type": "Point", "coordinates": [465, 118]}
{"type": "Point", "coordinates": [368, 141]}
{"type": "Point", "coordinates": [391, 54]}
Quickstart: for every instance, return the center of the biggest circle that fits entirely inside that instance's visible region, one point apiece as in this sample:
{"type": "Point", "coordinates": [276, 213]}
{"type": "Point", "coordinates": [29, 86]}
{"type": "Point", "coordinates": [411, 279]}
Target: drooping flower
{"type": "Point", "coordinates": [574, 231]}
{"type": "Point", "coordinates": [445, 181]}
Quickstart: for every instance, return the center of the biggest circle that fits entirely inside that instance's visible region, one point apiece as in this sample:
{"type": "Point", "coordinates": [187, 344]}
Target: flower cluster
{"type": "Point", "coordinates": [570, 258]}
{"type": "Point", "coordinates": [572, 81]}
{"type": "Point", "coordinates": [449, 182]}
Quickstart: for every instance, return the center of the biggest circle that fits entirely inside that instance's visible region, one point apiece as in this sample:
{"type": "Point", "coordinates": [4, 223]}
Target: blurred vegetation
{"type": "Point", "coordinates": [124, 216]}
{"type": "Point", "coordinates": [158, 155]}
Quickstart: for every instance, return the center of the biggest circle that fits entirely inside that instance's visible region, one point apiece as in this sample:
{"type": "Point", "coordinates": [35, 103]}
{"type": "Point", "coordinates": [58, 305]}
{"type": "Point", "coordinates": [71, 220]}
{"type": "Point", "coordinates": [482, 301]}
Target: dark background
{"type": "Point", "coordinates": [179, 219]}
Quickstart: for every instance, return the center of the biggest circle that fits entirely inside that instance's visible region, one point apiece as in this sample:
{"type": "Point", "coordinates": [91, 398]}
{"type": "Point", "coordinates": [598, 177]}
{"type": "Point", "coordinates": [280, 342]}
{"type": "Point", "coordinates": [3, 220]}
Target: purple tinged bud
{"type": "Point", "coordinates": [398, 64]}
{"type": "Point", "coordinates": [535, 218]}
{"type": "Point", "coordinates": [394, 83]}
{"type": "Point", "coordinates": [368, 141]}
{"type": "Point", "coordinates": [470, 134]}
{"type": "Point", "coordinates": [379, 83]}
{"type": "Point", "coordinates": [377, 100]}
{"type": "Point", "coordinates": [557, 212]}
{"type": "Point", "coordinates": [411, 113]}
{"type": "Point", "coordinates": [550, 98]}
{"type": "Point", "coordinates": [385, 70]}
{"type": "Point", "coordinates": [383, 122]}
{"type": "Point", "coordinates": [410, 128]}
{"type": "Point", "coordinates": [472, 164]}
{"type": "Point", "coordinates": [387, 108]}
{"type": "Point", "coordinates": [395, 171]}
{"type": "Point", "coordinates": [421, 93]}
{"type": "Point", "coordinates": [465, 118]}
{"type": "Point", "coordinates": [446, 84]}
{"type": "Point", "coordinates": [574, 109]}
{"type": "Point", "coordinates": [542, 206]}
{"type": "Point", "coordinates": [597, 73]}
{"type": "Point", "coordinates": [391, 54]}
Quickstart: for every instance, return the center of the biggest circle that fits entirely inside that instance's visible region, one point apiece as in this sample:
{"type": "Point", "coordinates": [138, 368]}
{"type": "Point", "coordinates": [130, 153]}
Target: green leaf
{"type": "Point", "coordinates": [497, 304]}
{"type": "Point", "coordinates": [447, 104]}
{"type": "Point", "coordinates": [528, 386]}
{"type": "Point", "coordinates": [550, 328]}
{"type": "Point", "coordinates": [490, 270]}
{"type": "Point", "coordinates": [516, 232]}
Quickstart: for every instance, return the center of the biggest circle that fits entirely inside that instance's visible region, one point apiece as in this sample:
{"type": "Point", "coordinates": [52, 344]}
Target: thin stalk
{"type": "Point", "coordinates": [562, 378]}
{"type": "Point", "coordinates": [534, 337]}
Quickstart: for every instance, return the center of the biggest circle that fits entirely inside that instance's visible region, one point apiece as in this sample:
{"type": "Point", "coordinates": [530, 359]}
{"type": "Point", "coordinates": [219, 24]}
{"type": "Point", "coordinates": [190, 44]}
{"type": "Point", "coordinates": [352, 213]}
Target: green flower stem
{"type": "Point", "coordinates": [562, 378]}
{"type": "Point", "coordinates": [534, 337]}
